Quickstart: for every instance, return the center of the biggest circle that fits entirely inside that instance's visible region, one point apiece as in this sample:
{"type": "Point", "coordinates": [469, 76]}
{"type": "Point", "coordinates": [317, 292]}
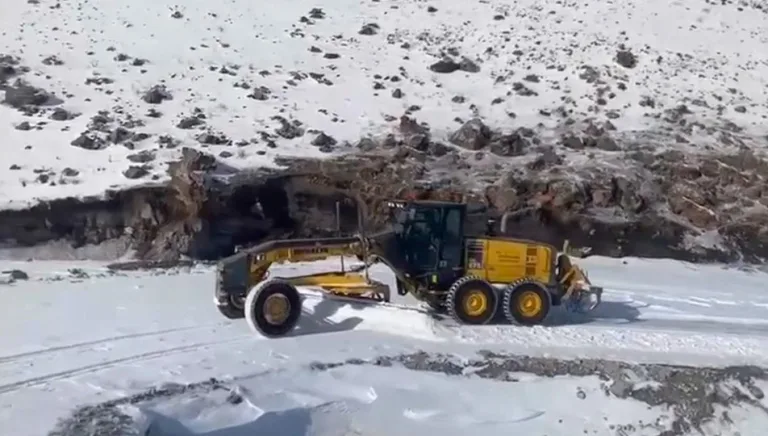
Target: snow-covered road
{"type": "Point", "coordinates": [75, 336]}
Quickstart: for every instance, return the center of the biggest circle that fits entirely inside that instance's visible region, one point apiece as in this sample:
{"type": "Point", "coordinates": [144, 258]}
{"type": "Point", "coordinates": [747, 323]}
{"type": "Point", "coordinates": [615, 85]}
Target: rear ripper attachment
{"type": "Point", "coordinates": [472, 277]}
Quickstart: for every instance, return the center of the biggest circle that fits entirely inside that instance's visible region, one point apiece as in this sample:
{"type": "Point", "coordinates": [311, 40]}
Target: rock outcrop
{"type": "Point", "coordinates": [699, 207]}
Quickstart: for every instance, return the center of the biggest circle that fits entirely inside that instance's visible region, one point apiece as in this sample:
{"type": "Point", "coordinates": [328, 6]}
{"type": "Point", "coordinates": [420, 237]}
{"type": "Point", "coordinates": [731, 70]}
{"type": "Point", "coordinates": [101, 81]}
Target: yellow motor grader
{"type": "Point", "coordinates": [472, 277]}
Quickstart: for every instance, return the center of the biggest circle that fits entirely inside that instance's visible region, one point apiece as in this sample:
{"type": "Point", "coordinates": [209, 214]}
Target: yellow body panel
{"type": "Point", "coordinates": [507, 260]}
{"type": "Point", "coordinates": [302, 254]}
{"type": "Point", "coordinates": [346, 283]}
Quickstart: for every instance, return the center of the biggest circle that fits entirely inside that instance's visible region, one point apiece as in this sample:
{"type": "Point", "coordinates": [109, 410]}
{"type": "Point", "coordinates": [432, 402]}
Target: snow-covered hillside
{"type": "Point", "coordinates": [118, 87]}
{"type": "Point", "coordinates": [642, 124]}
{"type": "Point", "coordinates": [90, 352]}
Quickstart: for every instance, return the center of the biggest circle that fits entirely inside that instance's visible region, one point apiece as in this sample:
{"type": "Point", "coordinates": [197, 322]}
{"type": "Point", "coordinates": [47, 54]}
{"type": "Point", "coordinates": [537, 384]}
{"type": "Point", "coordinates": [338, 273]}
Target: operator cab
{"type": "Point", "coordinates": [430, 237]}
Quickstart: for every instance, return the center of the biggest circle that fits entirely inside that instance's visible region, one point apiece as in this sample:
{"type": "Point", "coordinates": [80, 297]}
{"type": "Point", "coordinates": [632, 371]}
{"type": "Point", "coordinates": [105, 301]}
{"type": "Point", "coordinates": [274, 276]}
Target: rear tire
{"type": "Point", "coordinates": [526, 302]}
{"type": "Point", "coordinates": [273, 308]}
{"type": "Point", "coordinates": [472, 300]}
{"type": "Point", "coordinates": [232, 310]}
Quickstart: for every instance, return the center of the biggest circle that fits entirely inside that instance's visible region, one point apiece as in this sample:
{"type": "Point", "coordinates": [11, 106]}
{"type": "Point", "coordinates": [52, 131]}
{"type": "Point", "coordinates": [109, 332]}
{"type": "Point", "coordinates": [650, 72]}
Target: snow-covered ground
{"type": "Point", "coordinates": [75, 334]}
{"type": "Point", "coordinates": [350, 70]}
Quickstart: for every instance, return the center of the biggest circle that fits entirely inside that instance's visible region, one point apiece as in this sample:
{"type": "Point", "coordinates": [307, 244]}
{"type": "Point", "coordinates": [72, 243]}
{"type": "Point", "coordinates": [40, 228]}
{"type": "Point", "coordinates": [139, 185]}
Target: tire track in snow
{"type": "Point", "coordinates": [87, 369]}
{"type": "Point", "coordinates": [55, 353]}
{"type": "Point", "coordinates": [14, 357]}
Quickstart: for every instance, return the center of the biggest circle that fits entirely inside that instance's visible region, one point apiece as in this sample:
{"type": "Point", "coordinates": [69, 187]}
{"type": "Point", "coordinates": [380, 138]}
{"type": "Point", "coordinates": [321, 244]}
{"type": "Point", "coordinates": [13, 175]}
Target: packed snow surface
{"type": "Point", "coordinates": [75, 334]}
{"type": "Point", "coordinates": [350, 69]}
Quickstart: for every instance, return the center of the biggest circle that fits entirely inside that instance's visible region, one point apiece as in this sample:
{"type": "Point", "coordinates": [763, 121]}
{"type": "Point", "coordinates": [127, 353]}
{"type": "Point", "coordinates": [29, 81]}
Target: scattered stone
{"type": "Point", "coordinates": [532, 78]}
{"type": "Point", "coordinates": [89, 141]}
{"type": "Point", "coordinates": [523, 90]}
{"type": "Point", "coordinates": [24, 125]}
{"type": "Point", "coordinates": [317, 13]}
{"type": "Point", "coordinates": [135, 172]}
{"type": "Point", "coordinates": [513, 144]}
{"type": "Point", "coordinates": [21, 95]}
{"type": "Point", "coordinates": [647, 101]}
{"type": "Point", "coordinates": [288, 130]}
{"type": "Point", "coordinates": [165, 141]}
{"type": "Point", "coordinates": [119, 135]}
{"type": "Point", "coordinates": [157, 94]}
{"type": "Point", "coordinates": [261, 93]}
{"type": "Point", "coordinates": [445, 66]}
{"type": "Point", "coordinates": [369, 29]}
{"type": "Point", "coordinates": [469, 66]}
{"type": "Point", "coordinates": [626, 59]}
{"type": "Point", "coordinates": [17, 274]}
{"type": "Point", "coordinates": [9, 68]}
{"type": "Point", "coordinates": [473, 135]}
{"type": "Point", "coordinates": [189, 123]}
{"type": "Point", "coordinates": [607, 143]}
{"type": "Point", "coordinates": [52, 60]}
{"type": "Point", "coordinates": [70, 172]}
{"type": "Point", "coordinates": [546, 159]}
{"type": "Point", "coordinates": [140, 136]}
{"type": "Point", "coordinates": [323, 140]}
{"type": "Point", "coordinates": [60, 114]}
{"type": "Point", "coordinates": [209, 138]}
{"type": "Point", "coordinates": [366, 144]}
{"type": "Point", "coordinates": [573, 142]}
{"type": "Point", "coordinates": [144, 156]}
{"type": "Point", "coordinates": [99, 81]}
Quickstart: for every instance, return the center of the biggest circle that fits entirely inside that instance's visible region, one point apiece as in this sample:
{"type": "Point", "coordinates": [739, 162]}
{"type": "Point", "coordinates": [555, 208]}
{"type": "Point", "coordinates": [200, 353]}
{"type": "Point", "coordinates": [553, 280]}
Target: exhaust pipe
{"type": "Point", "coordinates": [512, 214]}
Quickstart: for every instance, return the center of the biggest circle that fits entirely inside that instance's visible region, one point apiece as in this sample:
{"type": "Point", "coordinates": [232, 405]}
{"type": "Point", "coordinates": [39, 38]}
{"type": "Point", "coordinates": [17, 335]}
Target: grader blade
{"type": "Point", "coordinates": [580, 296]}
{"type": "Point", "coordinates": [585, 300]}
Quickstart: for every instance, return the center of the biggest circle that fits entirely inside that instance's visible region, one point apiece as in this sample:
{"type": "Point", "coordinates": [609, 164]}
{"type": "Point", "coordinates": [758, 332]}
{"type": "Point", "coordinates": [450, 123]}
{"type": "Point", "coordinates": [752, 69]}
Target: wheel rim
{"type": "Point", "coordinates": [475, 303]}
{"type": "Point", "coordinates": [529, 304]}
{"type": "Point", "coordinates": [277, 308]}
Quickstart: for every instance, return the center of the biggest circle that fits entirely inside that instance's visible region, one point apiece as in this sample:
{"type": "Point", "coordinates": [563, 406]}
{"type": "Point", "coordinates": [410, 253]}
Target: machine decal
{"type": "Point", "coordinates": [475, 254]}
{"type": "Point", "coordinates": [531, 258]}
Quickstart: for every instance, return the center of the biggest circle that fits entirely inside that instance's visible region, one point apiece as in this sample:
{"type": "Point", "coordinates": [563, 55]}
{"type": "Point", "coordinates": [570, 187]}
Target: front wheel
{"type": "Point", "coordinates": [273, 308]}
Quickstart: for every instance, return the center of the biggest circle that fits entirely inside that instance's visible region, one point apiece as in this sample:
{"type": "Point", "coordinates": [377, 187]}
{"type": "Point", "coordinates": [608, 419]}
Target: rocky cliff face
{"type": "Point", "coordinates": [644, 142]}
{"type": "Point", "coordinates": [699, 207]}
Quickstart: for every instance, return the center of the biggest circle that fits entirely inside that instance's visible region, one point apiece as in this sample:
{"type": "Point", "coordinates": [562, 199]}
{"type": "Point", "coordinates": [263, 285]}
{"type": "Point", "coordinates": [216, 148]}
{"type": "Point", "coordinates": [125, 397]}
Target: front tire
{"type": "Point", "coordinates": [273, 308]}
{"type": "Point", "coordinates": [472, 300]}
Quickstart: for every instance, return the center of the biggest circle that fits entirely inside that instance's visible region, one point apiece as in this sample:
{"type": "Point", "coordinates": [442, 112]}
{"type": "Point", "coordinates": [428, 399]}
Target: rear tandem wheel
{"type": "Point", "coordinates": [273, 308]}
{"type": "Point", "coordinates": [472, 300]}
{"type": "Point", "coordinates": [526, 302]}
{"type": "Point", "coordinates": [234, 309]}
